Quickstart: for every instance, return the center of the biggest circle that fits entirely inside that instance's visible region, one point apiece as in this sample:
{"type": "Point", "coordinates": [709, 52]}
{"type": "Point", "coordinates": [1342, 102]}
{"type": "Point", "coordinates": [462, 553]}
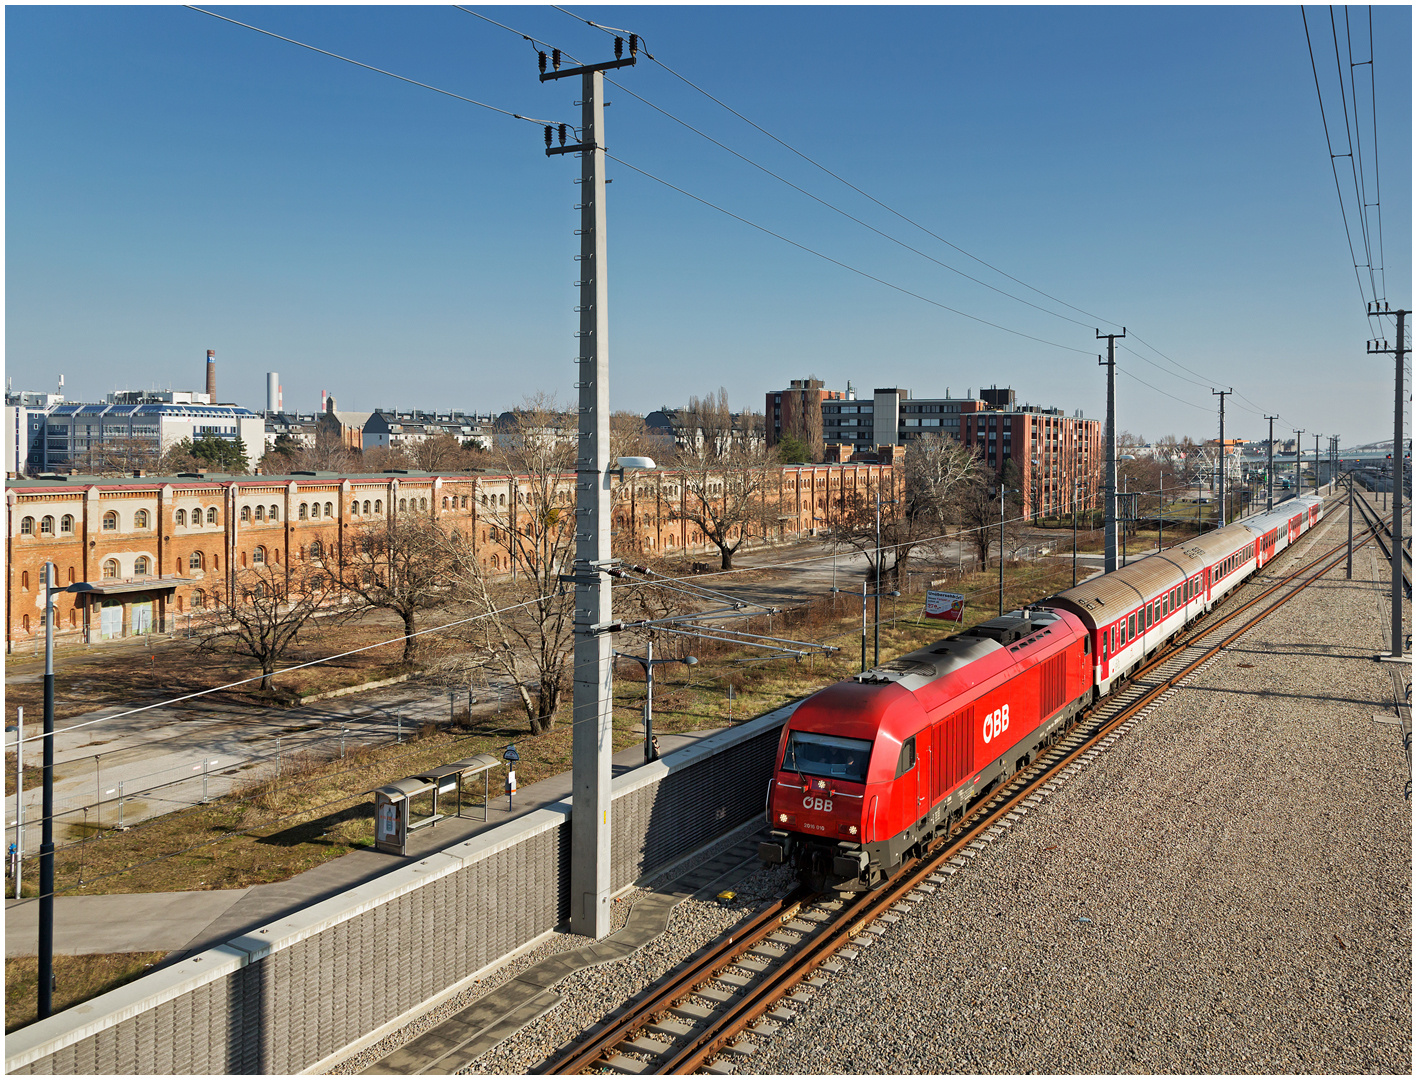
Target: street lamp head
{"type": "Point", "coordinates": [691, 660]}
{"type": "Point", "coordinates": [635, 462]}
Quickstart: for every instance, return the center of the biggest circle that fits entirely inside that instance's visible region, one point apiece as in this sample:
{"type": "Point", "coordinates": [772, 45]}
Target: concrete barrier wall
{"type": "Point", "coordinates": [301, 991]}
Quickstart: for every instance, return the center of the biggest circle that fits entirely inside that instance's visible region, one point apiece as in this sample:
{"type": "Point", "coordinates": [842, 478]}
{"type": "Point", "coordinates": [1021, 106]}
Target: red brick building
{"type": "Point", "coordinates": [154, 550]}
{"type": "Point", "coordinates": [1051, 451]}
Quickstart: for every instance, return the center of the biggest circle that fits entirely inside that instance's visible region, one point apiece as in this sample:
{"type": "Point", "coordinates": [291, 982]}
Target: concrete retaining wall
{"type": "Point", "coordinates": [299, 991]}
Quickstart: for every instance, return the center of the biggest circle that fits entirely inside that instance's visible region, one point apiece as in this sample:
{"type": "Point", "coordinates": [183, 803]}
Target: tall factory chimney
{"type": "Point", "coordinates": [211, 376]}
{"type": "Point", "coordinates": [273, 395]}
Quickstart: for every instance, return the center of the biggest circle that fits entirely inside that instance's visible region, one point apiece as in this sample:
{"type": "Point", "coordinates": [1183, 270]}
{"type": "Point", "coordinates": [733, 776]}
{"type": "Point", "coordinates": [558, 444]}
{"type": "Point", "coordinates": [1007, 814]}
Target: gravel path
{"type": "Point", "coordinates": [1228, 889]}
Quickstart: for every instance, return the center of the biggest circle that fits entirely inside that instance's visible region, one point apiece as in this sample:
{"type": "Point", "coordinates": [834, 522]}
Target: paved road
{"type": "Point", "coordinates": [163, 759]}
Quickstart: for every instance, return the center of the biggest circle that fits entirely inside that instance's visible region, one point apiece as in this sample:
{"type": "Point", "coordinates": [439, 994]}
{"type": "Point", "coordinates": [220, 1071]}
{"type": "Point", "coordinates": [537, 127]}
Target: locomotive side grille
{"type": "Point", "coordinates": [1052, 686]}
{"type": "Point", "coordinates": [957, 749]}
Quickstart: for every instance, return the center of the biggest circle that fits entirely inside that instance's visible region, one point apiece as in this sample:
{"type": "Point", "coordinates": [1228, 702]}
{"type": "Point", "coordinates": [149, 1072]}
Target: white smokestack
{"type": "Point", "coordinates": [272, 391]}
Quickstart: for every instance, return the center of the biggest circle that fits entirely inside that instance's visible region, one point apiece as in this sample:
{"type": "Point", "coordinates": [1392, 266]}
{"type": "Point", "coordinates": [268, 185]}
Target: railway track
{"type": "Point", "coordinates": [705, 1015]}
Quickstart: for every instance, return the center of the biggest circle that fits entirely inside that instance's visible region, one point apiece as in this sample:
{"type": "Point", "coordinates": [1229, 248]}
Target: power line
{"type": "Point", "coordinates": [782, 179]}
{"type": "Point", "coordinates": [1148, 385]}
{"type": "Point", "coordinates": [838, 262]}
{"type": "Point", "coordinates": [1353, 159]}
{"type": "Point", "coordinates": [1377, 175]}
{"type": "Point", "coordinates": [844, 213]}
{"type": "Point", "coordinates": [864, 194]}
{"type": "Point", "coordinates": [371, 67]}
{"type": "Point", "coordinates": [1332, 157]}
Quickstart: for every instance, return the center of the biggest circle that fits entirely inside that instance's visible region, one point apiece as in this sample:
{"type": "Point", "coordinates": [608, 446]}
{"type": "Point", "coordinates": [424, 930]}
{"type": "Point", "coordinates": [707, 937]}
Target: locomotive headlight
{"type": "Point", "coordinates": [852, 830]}
{"type": "Point", "coordinates": [782, 818]}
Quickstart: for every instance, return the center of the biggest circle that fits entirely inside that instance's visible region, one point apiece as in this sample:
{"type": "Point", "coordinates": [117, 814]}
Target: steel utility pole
{"type": "Point", "coordinates": [1222, 395]}
{"type": "Point", "coordinates": [1399, 350]}
{"type": "Point", "coordinates": [1298, 462]}
{"type": "Point", "coordinates": [876, 648]}
{"type": "Point", "coordinates": [1109, 543]}
{"type": "Point", "coordinates": [1316, 463]}
{"type": "Point", "coordinates": [46, 845]}
{"type": "Point", "coordinates": [593, 679]}
{"type": "Point", "coordinates": [1269, 470]}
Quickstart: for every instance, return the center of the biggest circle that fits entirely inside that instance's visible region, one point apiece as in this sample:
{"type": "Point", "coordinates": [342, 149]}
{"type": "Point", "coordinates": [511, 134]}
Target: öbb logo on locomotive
{"type": "Point", "coordinates": [872, 769]}
{"type": "Point", "coordinates": [996, 723]}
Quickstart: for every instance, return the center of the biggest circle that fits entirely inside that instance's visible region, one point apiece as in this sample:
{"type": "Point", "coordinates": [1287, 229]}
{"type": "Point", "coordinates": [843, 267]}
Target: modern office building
{"type": "Point", "coordinates": [58, 437]}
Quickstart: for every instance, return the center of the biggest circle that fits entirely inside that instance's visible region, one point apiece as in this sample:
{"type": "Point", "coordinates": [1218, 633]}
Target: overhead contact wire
{"type": "Point", "coordinates": [845, 266]}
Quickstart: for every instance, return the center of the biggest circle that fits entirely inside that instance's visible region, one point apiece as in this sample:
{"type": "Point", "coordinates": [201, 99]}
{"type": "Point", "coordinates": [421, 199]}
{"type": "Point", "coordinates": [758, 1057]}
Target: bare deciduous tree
{"type": "Point", "coordinates": [726, 493]}
{"type": "Point", "coordinates": [266, 613]}
{"type": "Point", "coordinates": [978, 513]}
{"type": "Point", "coordinates": [937, 468]}
{"type": "Point", "coordinates": [526, 630]}
{"type": "Point", "coordinates": [401, 565]}
{"type": "Point", "coordinates": [441, 453]}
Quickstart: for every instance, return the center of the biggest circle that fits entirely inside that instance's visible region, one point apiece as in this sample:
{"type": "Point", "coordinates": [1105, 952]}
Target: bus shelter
{"type": "Point", "coordinates": [449, 779]}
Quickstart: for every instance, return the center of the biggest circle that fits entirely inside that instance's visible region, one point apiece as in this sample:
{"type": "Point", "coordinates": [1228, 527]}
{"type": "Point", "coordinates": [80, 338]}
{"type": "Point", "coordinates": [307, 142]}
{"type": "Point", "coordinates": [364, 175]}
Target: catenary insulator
{"type": "Point", "coordinates": [541, 62]}
{"type": "Point", "coordinates": [556, 59]}
{"type": "Point", "coordinates": [619, 47]}
{"type": "Point", "coordinates": [548, 136]}
{"type": "Point", "coordinates": [634, 44]}
{"type": "Point", "coordinates": [561, 131]}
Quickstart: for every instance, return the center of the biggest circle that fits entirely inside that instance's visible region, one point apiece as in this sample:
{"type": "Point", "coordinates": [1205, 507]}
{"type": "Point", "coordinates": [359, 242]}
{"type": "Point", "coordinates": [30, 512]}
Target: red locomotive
{"type": "Point", "coordinates": [872, 768]}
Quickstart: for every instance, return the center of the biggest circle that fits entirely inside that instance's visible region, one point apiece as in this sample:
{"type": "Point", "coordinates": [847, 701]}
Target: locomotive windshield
{"type": "Point", "coordinates": [827, 755]}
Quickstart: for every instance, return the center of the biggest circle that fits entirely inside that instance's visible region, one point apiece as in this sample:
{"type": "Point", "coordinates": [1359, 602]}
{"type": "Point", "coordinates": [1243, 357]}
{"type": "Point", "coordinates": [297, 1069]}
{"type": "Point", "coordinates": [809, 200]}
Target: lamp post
{"type": "Point", "coordinates": [833, 535]}
{"type": "Point", "coordinates": [648, 662]}
{"type": "Point", "coordinates": [1003, 502]}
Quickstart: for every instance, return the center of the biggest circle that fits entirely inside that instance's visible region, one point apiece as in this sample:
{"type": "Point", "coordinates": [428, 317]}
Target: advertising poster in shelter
{"type": "Point", "coordinates": [944, 605]}
{"type": "Point", "coordinates": [389, 823]}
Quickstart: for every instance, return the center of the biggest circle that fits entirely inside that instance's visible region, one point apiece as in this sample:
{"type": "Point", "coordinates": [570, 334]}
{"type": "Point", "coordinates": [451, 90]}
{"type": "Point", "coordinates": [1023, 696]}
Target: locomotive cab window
{"type": "Point", "coordinates": [827, 755]}
{"type": "Point", "coordinates": [906, 762]}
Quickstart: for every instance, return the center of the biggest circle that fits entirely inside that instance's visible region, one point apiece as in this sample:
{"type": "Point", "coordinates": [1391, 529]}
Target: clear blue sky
{"type": "Point", "coordinates": [176, 183]}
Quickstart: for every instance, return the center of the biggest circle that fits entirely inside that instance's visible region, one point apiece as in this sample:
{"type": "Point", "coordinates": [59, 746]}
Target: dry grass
{"type": "Point", "coordinates": [76, 979]}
